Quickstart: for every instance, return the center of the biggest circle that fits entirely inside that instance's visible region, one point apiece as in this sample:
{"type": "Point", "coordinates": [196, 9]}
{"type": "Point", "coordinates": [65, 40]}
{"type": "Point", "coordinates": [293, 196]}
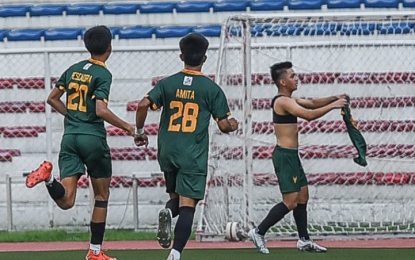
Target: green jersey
{"type": "Point", "coordinates": [188, 99]}
{"type": "Point", "coordinates": [84, 82]}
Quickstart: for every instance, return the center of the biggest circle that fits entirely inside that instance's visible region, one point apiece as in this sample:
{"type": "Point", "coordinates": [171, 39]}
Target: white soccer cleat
{"type": "Point", "coordinates": [310, 246]}
{"type": "Point", "coordinates": [259, 241]}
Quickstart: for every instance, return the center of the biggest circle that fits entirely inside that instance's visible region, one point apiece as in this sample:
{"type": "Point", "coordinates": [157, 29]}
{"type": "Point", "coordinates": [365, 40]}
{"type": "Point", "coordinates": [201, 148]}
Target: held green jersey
{"type": "Point", "coordinates": [188, 99]}
{"type": "Point", "coordinates": [84, 82]}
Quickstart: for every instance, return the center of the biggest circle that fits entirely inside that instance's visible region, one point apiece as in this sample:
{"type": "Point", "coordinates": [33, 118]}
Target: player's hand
{"type": "Point", "coordinates": [339, 103]}
{"type": "Point", "coordinates": [234, 124]}
{"type": "Point", "coordinates": [131, 131]}
{"type": "Point", "coordinates": [141, 140]}
{"type": "Point", "coordinates": [344, 95]}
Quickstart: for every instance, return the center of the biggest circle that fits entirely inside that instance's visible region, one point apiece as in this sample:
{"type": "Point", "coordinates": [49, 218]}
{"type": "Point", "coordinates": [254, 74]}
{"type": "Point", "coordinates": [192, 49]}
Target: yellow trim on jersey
{"type": "Point", "coordinates": [62, 88]}
{"type": "Point", "coordinates": [228, 114]}
{"type": "Point", "coordinates": [105, 100]}
{"type": "Point", "coordinates": [153, 106]}
{"type": "Point", "coordinates": [97, 62]}
{"type": "Point", "coordinates": [192, 72]}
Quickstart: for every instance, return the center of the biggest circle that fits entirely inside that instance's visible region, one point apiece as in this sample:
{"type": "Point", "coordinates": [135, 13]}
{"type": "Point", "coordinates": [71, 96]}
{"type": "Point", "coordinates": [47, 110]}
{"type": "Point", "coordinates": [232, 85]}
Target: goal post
{"type": "Point", "coordinates": [368, 55]}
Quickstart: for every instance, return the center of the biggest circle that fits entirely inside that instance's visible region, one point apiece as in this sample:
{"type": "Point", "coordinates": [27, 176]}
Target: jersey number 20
{"type": "Point", "coordinates": [80, 91]}
{"type": "Point", "coordinates": [188, 113]}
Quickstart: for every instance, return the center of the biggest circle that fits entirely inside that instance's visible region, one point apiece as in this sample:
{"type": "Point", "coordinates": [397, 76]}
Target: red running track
{"type": "Point", "coordinates": [131, 245]}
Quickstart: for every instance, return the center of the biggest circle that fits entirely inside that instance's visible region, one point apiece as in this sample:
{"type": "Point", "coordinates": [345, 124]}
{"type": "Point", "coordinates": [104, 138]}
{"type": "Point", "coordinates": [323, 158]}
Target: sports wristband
{"type": "Point", "coordinates": [139, 131]}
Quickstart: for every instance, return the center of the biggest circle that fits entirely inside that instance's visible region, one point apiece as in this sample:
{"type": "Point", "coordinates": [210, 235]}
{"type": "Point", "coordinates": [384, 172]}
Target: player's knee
{"type": "Point", "coordinates": [291, 205]}
{"type": "Point", "coordinates": [66, 205]}
{"type": "Point", "coordinates": [102, 196]}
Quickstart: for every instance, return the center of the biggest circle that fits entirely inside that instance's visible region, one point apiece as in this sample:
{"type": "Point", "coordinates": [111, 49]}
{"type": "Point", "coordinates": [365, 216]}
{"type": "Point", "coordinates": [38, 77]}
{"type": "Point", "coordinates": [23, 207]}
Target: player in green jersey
{"type": "Point", "coordinates": [87, 86]}
{"type": "Point", "coordinates": [287, 164]}
{"type": "Point", "coordinates": [189, 99]}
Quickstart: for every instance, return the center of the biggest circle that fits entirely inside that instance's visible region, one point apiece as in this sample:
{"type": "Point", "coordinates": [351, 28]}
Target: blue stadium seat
{"type": "Point", "coordinates": [173, 31]}
{"type": "Point", "coordinates": [13, 10]}
{"type": "Point", "coordinates": [83, 9]}
{"type": "Point", "coordinates": [208, 31]}
{"type": "Point", "coordinates": [332, 4]}
{"type": "Point", "coordinates": [193, 7]}
{"type": "Point", "coordinates": [259, 30]}
{"type": "Point", "coordinates": [136, 32]}
{"type": "Point", "coordinates": [46, 10]}
{"type": "Point", "coordinates": [3, 34]}
{"type": "Point", "coordinates": [381, 3]}
{"type": "Point", "coordinates": [267, 5]}
{"type": "Point", "coordinates": [25, 35]}
{"type": "Point", "coordinates": [357, 29]}
{"type": "Point", "coordinates": [408, 3]}
{"type": "Point", "coordinates": [285, 29]}
{"type": "Point", "coordinates": [396, 28]}
{"type": "Point", "coordinates": [149, 8]}
{"type": "Point", "coordinates": [230, 6]}
{"type": "Point", "coordinates": [62, 34]}
{"type": "Point", "coordinates": [304, 4]}
{"type": "Point", "coordinates": [120, 8]}
{"type": "Point", "coordinates": [322, 29]}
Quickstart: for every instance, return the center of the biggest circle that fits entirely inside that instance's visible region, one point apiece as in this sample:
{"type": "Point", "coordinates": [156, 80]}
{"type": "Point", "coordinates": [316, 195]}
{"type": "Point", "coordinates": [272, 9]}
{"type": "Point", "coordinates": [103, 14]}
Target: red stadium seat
{"type": "Point", "coordinates": [13, 107]}
{"type": "Point", "coordinates": [7, 83]}
{"type": "Point", "coordinates": [31, 83]}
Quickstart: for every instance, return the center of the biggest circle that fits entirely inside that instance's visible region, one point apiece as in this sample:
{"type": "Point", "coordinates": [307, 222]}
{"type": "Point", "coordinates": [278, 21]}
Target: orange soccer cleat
{"type": "Point", "coordinates": [39, 175]}
{"type": "Point", "coordinates": [101, 256]}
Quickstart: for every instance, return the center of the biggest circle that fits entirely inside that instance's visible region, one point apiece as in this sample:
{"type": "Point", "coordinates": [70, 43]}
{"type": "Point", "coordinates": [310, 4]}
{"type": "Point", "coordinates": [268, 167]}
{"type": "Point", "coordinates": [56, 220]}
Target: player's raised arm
{"type": "Point", "coordinates": [290, 105]}
{"type": "Point", "coordinates": [106, 114]}
{"type": "Point", "coordinates": [318, 102]}
{"type": "Point", "coordinates": [227, 125]}
{"type": "Point", "coordinates": [54, 100]}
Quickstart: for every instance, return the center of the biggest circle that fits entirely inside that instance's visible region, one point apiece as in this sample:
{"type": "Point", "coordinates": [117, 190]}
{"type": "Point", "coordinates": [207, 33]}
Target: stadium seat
{"type": "Point", "coordinates": [332, 4]}
{"type": "Point", "coordinates": [6, 83]}
{"type": "Point", "coordinates": [267, 5]}
{"type": "Point", "coordinates": [13, 107]}
{"type": "Point", "coordinates": [120, 8]}
{"type": "Point", "coordinates": [13, 10]}
{"type": "Point", "coordinates": [5, 156]}
{"type": "Point", "coordinates": [322, 29]}
{"type": "Point", "coordinates": [136, 32]}
{"type": "Point", "coordinates": [25, 35]}
{"type": "Point", "coordinates": [230, 6]}
{"type": "Point", "coordinates": [173, 31]}
{"type": "Point", "coordinates": [284, 30]}
{"type": "Point", "coordinates": [37, 107]}
{"type": "Point", "coordinates": [357, 29]}
{"type": "Point", "coordinates": [193, 7]}
{"type": "Point", "coordinates": [3, 34]}
{"type": "Point", "coordinates": [396, 28]}
{"type": "Point", "coordinates": [408, 3]}
{"type": "Point", "coordinates": [31, 83]}
{"type": "Point", "coordinates": [208, 31]}
{"type": "Point", "coordinates": [151, 8]}
{"type": "Point", "coordinates": [19, 131]}
{"type": "Point", "coordinates": [381, 3]}
{"type": "Point", "coordinates": [128, 153]}
{"type": "Point", "coordinates": [83, 9]}
{"type": "Point", "coordinates": [304, 4]}
{"type": "Point", "coordinates": [62, 34]}
{"type": "Point", "coordinates": [46, 10]}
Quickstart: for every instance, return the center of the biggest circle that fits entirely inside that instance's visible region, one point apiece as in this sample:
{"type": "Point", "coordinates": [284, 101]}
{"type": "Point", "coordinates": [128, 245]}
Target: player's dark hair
{"type": "Point", "coordinates": [278, 70]}
{"type": "Point", "coordinates": [97, 39]}
{"type": "Point", "coordinates": [193, 48]}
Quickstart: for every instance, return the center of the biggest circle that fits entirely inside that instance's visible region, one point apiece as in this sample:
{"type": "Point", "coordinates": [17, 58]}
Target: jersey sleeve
{"type": "Point", "coordinates": [219, 105]}
{"type": "Point", "coordinates": [61, 83]}
{"type": "Point", "coordinates": [102, 89]}
{"type": "Point", "coordinates": [155, 95]}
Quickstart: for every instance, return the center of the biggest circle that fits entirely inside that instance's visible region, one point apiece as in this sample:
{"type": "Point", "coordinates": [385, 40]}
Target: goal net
{"type": "Point", "coordinates": [368, 55]}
